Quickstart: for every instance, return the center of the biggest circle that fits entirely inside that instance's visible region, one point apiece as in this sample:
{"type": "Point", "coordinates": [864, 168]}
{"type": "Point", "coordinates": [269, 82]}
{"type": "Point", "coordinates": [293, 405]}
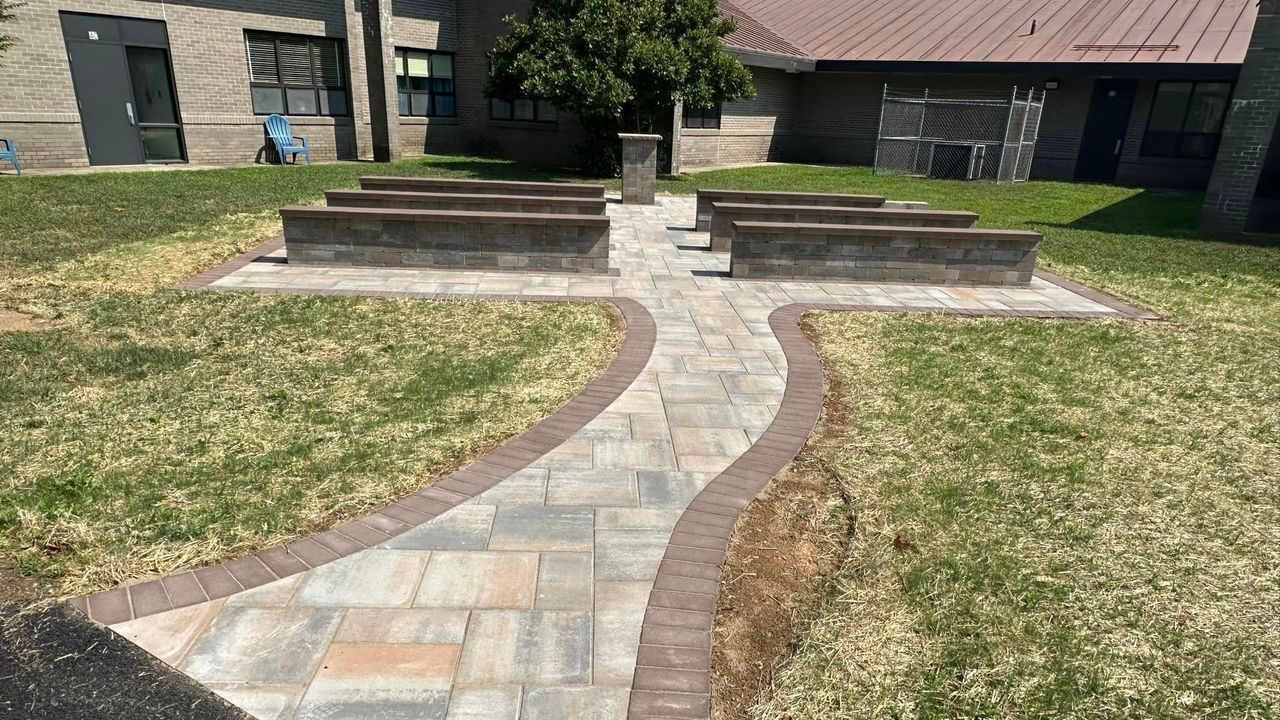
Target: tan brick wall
{"type": "Point", "coordinates": [751, 130]}
{"type": "Point", "coordinates": [206, 43]}
{"type": "Point", "coordinates": [427, 25]}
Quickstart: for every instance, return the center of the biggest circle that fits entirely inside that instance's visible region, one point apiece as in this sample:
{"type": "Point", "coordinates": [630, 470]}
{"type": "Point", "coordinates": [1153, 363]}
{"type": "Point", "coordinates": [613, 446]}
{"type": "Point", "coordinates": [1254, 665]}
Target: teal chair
{"type": "Point", "coordinates": [10, 153]}
{"type": "Point", "coordinates": [281, 134]}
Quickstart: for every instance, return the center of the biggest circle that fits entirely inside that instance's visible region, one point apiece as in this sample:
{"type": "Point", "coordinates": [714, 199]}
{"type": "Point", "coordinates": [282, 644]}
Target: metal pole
{"type": "Point", "coordinates": [1004, 142]}
{"type": "Point", "coordinates": [875, 161]}
{"type": "Point", "coordinates": [1022, 133]}
{"type": "Point", "coordinates": [924, 111]}
{"type": "Point", "coordinates": [1035, 129]}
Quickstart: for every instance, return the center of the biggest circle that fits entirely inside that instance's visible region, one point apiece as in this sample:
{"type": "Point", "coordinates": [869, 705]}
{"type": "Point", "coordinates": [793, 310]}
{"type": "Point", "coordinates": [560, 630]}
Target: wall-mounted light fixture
{"type": "Point", "coordinates": [1050, 84]}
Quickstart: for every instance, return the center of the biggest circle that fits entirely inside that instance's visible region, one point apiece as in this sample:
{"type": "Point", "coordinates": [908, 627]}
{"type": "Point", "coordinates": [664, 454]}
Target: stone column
{"type": "Point", "coordinates": [384, 101]}
{"type": "Point", "coordinates": [1251, 126]}
{"type": "Point", "coordinates": [677, 121]}
{"type": "Point", "coordinates": [639, 168]}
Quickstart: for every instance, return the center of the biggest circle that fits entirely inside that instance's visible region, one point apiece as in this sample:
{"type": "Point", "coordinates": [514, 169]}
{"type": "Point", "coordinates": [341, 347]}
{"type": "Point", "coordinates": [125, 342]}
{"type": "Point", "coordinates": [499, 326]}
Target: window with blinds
{"type": "Point", "coordinates": [425, 82]}
{"type": "Point", "coordinates": [296, 75]}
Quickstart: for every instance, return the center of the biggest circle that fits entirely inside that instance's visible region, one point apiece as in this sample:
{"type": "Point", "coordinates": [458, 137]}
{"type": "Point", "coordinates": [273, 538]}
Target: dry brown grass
{"type": "Point", "coordinates": [144, 429]}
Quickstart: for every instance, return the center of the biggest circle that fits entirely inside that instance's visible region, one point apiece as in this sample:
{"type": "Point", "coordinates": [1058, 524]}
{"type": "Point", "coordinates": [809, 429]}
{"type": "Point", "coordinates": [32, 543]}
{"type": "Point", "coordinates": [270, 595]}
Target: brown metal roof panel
{"type": "Point", "coordinates": [1017, 27]}
{"type": "Point", "coordinates": [1057, 14]}
{"type": "Point", "coordinates": [1188, 35]}
{"type": "Point", "coordinates": [1212, 42]}
{"type": "Point", "coordinates": [1115, 31]}
{"type": "Point", "coordinates": [1003, 20]}
{"type": "Point", "coordinates": [752, 35]}
{"type": "Point", "coordinates": [1139, 33]}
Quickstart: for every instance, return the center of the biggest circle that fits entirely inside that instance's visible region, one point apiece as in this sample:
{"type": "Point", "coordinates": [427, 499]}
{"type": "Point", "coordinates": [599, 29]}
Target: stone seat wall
{"type": "Point", "coordinates": [458, 240]}
{"type": "Point", "coordinates": [769, 197]}
{"type": "Point", "coordinates": [956, 256]}
{"type": "Point", "coordinates": [725, 214]}
{"type": "Point", "coordinates": [482, 187]}
{"type": "Point", "coordinates": [467, 202]}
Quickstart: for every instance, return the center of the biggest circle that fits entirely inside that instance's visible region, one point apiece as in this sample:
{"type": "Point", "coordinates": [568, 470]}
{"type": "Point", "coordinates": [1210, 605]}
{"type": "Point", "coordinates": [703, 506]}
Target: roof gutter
{"type": "Point", "coordinates": [777, 61]}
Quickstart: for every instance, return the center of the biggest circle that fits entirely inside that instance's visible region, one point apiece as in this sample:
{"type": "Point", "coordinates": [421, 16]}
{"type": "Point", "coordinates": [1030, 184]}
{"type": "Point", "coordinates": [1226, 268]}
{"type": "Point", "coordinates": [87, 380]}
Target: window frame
{"type": "Point", "coordinates": [703, 117]}
{"type": "Point", "coordinates": [538, 110]}
{"type": "Point", "coordinates": [431, 92]}
{"type": "Point", "coordinates": [1181, 134]}
{"type": "Point", "coordinates": [317, 84]}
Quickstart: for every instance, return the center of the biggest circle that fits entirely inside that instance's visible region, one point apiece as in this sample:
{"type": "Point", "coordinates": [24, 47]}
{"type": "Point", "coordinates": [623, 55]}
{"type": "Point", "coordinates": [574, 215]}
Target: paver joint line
{"type": "Point", "coordinates": [581, 560]}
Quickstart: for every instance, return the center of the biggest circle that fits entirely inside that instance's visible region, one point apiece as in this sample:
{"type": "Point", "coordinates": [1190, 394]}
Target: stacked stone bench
{"type": "Point", "coordinates": [441, 239]}
{"type": "Point", "coordinates": [481, 187]}
{"type": "Point", "coordinates": [880, 253]}
{"type": "Point", "coordinates": [767, 197]}
{"type": "Point", "coordinates": [725, 214]}
{"type": "Point", "coordinates": [542, 204]}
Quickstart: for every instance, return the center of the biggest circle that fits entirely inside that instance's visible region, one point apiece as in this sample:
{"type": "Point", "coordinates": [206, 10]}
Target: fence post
{"type": "Point", "coordinates": [1004, 141]}
{"type": "Point", "coordinates": [924, 112]}
{"type": "Point", "coordinates": [1022, 136]}
{"type": "Point", "coordinates": [875, 161]}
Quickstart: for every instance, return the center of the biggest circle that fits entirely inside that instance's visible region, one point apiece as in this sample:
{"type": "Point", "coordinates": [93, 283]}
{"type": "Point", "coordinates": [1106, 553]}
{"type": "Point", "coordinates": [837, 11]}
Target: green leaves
{"type": "Point", "coordinates": [619, 64]}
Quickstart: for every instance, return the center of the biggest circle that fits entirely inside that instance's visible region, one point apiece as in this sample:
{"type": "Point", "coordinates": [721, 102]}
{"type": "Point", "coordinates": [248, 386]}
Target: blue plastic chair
{"type": "Point", "coordinates": [10, 153]}
{"type": "Point", "coordinates": [286, 144]}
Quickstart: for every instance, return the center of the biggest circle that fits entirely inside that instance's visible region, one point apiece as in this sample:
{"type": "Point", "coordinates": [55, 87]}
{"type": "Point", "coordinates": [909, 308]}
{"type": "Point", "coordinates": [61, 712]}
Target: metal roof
{"type": "Point", "coordinates": [751, 35]}
{"type": "Point", "coordinates": [1066, 31]}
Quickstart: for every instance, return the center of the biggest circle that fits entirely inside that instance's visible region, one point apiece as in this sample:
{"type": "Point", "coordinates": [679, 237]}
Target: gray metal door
{"type": "Point", "coordinates": [107, 113]}
{"type": "Point", "coordinates": [124, 85]}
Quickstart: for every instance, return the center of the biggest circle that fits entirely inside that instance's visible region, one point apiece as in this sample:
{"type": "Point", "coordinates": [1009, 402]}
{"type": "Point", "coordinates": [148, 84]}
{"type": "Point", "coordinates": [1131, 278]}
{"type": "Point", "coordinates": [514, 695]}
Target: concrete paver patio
{"type": "Point", "coordinates": [528, 600]}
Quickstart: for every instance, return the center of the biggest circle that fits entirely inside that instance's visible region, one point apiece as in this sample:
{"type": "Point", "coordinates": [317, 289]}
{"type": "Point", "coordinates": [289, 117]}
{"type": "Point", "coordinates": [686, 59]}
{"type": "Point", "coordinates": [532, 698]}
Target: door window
{"type": "Point", "coordinates": [154, 107]}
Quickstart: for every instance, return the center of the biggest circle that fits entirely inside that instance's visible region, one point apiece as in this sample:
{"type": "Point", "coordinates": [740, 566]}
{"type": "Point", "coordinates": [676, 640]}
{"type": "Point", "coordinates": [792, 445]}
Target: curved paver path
{"type": "Point", "coordinates": [573, 573]}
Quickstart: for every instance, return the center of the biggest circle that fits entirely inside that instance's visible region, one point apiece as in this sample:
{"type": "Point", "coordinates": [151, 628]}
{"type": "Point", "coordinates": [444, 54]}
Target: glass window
{"type": "Point", "coordinates": [522, 108]}
{"type": "Point", "coordinates": [1186, 119]}
{"type": "Point", "coordinates": [695, 117]}
{"type": "Point", "coordinates": [296, 75]}
{"type": "Point", "coordinates": [425, 82]}
{"type": "Point", "coordinates": [161, 144]}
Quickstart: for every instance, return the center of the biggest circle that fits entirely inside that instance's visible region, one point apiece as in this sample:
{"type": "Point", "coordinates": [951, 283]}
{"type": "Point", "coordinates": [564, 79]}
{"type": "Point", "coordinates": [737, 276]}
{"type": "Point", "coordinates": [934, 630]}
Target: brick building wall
{"type": "Point", "coordinates": [206, 45]}
{"type": "Point", "coordinates": [833, 118]}
{"type": "Point", "coordinates": [1233, 203]}
{"type": "Point", "coordinates": [751, 130]}
{"type": "Point", "coordinates": [427, 25]}
{"type": "Point", "coordinates": [841, 114]}
{"type": "Point", "coordinates": [479, 25]}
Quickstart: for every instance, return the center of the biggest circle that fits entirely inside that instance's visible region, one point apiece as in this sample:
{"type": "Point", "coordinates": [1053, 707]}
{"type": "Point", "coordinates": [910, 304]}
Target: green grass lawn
{"type": "Point", "coordinates": [145, 429]}
{"type": "Point", "coordinates": [1086, 512]}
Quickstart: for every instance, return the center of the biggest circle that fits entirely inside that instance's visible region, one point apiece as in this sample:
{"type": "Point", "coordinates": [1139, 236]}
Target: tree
{"type": "Point", "coordinates": [7, 14]}
{"type": "Point", "coordinates": [619, 65]}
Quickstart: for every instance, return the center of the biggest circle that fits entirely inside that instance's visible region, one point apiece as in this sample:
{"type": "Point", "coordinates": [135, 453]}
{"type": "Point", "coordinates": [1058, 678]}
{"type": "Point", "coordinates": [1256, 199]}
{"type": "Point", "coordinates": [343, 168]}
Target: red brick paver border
{"type": "Point", "coordinates": [210, 583]}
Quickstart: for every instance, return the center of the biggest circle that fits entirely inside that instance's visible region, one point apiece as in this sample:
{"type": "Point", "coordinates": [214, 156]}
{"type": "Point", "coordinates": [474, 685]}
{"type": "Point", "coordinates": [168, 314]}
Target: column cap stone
{"type": "Point", "coordinates": [639, 136]}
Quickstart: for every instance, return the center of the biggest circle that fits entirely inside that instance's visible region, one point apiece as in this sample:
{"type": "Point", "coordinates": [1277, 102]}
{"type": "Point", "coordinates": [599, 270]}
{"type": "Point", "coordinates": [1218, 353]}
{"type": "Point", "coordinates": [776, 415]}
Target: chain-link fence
{"type": "Point", "coordinates": [958, 136]}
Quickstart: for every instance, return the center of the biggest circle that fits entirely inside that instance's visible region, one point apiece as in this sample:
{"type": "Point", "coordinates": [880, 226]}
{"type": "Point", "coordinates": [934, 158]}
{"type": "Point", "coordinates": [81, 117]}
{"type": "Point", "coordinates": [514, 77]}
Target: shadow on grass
{"type": "Point", "coordinates": [1149, 212]}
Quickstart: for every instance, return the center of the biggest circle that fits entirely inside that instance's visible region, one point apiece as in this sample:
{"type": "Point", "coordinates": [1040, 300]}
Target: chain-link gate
{"type": "Point", "coordinates": [957, 137]}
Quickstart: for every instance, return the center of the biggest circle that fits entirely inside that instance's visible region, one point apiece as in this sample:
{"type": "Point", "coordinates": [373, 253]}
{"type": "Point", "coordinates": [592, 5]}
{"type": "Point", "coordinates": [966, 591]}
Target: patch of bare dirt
{"type": "Point", "coordinates": [14, 321]}
{"type": "Point", "coordinates": [784, 548]}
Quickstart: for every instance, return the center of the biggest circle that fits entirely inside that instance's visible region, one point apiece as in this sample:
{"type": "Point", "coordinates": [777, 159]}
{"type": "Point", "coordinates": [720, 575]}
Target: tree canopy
{"type": "Point", "coordinates": [619, 64]}
{"type": "Point", "coordinates": [7, 8]}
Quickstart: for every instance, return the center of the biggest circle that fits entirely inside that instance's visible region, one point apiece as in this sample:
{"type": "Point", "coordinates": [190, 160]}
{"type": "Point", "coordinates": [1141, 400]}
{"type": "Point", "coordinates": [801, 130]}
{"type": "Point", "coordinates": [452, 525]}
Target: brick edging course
{"type": "Point", "coordinates": [673, 665]}
{"type": "Point", "coordinates": [210, 583]}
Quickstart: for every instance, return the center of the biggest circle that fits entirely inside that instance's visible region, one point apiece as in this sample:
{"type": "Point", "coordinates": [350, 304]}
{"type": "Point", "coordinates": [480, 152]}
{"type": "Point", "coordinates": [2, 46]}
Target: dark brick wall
{"type": "Point", "coordinates": [833, 118]}
{"type": "Point", "coordinates": [1250, 129]}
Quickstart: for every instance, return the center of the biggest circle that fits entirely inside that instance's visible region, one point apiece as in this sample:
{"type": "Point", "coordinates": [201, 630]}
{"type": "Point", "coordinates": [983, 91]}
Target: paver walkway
{"type": "Point", "coordinates": [528, 601]}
